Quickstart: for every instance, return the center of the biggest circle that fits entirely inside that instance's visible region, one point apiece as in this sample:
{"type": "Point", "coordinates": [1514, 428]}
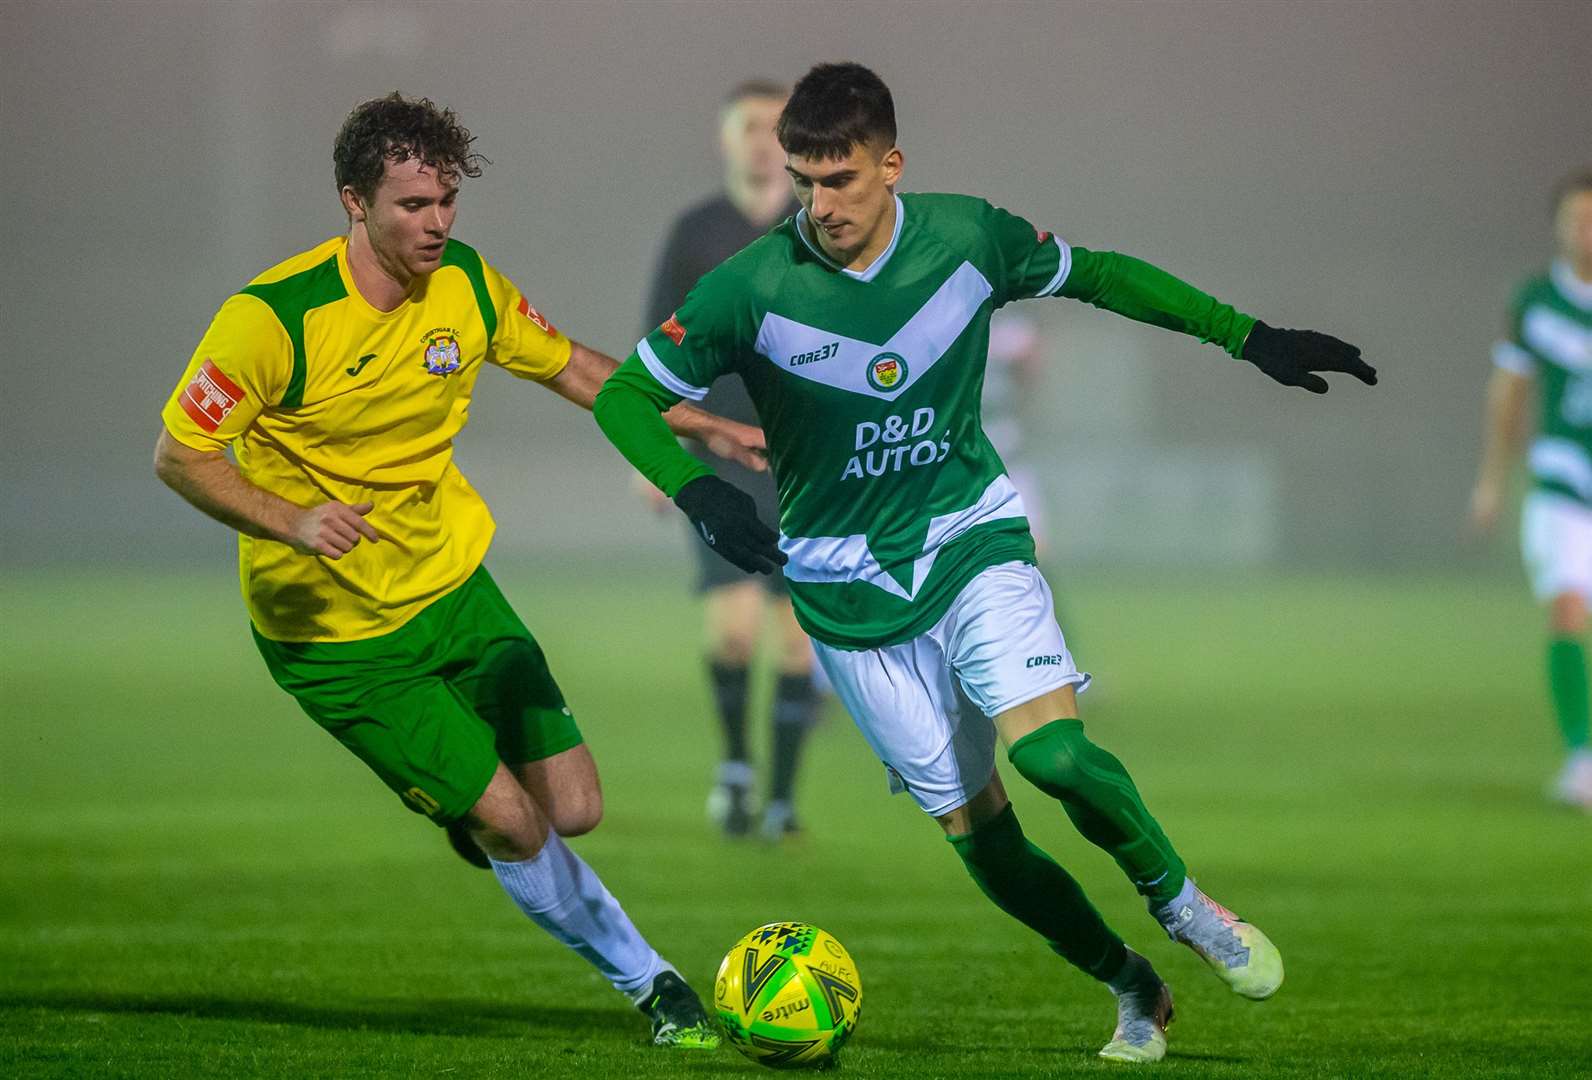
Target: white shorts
{"type": "Point", "coordinates": [925, 705]}
{"type": "Point", "coordinates": [1556, 541]}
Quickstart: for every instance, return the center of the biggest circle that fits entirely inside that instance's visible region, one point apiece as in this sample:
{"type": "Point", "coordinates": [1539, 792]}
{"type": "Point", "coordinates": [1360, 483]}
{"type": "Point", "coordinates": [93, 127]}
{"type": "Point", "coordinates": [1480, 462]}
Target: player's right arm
{"type": "Point", "coordinates": [675, 362]}
{"type": "Point", "coordinates": [213, 485]}
{"type": "Point", "coordinates": [1505, 424]}
{"type": "Point", "coordinates": [244, 361]}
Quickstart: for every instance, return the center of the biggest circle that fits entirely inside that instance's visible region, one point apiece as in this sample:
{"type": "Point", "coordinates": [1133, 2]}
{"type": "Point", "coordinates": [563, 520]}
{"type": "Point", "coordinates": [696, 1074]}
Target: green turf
{"type": "Point", "coordinates": [195, 881]}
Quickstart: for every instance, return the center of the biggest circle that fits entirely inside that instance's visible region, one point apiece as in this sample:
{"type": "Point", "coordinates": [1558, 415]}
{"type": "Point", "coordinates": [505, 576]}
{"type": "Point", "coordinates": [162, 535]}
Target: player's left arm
{"type": "Point", "coordinates": [587, 370]}
{"type": "Point", "coordinates": [1148, 294]}
{"type": "Point", "coordinates": [1031, 262]}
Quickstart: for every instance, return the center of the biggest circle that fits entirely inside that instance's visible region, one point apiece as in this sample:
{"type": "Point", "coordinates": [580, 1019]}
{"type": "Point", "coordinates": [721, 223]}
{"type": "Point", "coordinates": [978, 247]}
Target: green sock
{"type": "Point", "coordinates": [1027, 884]}
{"type": "Point", "coordinates": [1102, 802]}
{"type": "Point", "coordinates": [1568, 680]}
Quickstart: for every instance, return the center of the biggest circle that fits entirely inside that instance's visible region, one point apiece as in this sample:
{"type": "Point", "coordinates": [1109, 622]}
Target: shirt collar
{"type": "Point", "coordinates": [1575, 290]}
{"type": "Point", "coordinates": [802, 225]}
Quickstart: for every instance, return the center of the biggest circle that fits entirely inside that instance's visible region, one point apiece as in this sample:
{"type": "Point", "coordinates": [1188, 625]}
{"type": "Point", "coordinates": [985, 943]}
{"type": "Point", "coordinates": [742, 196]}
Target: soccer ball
{"type": "Point", "coordinates": [788, 996]}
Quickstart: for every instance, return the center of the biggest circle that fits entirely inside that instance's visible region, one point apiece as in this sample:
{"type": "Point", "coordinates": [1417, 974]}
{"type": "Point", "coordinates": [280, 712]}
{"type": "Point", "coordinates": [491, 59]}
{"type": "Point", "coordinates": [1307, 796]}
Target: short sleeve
{"type": "Point", "coordinates": [701, 340]}
{"type": "Point", "coordinates": [243, 364]}
{"type": "Point", "coordinates": [1030, 261]}
{"type": "Point", "coordinates": [526, 343]}
{"type": "Point", "coordinates": [1510, 352]}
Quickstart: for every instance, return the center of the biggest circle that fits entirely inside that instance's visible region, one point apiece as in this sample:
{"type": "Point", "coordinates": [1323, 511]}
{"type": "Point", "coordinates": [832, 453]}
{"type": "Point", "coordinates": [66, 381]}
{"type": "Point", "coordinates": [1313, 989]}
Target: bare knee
{"type": "Point", "coordinates": [981, 809]}
{"type": "Point", "coordinates": [566, 789]}
{"type": "Point", "coordinates": [732, 649]}
{"type": "Point", "coordinates": [505, 822]}
{"type": "Point", "coordinates": [734, 623]}
{"type": "Point", "coordinates": [1567, 615]}
{"type": "Point", "coordinates": [578, 815]}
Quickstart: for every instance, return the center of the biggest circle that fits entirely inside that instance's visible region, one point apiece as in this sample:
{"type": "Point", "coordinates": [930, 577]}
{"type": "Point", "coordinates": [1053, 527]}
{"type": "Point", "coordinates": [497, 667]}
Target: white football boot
{"type": "Point", "coordinates": [1144, 1008]}
{"type": "Point", "coordinates": [1242, 956]}
{"type": "Point", "coordinates": [1573, 786]}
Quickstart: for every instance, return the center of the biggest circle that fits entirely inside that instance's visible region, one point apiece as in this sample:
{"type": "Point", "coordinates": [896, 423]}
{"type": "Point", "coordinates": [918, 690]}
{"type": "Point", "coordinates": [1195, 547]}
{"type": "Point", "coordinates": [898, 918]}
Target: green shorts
{"type": "Point", "coordinates": [434, 706]}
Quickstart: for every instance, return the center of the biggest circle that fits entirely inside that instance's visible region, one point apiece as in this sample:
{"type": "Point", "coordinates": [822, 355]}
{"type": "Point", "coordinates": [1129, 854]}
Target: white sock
{"type": "Point", "coordinates": [565, 897]}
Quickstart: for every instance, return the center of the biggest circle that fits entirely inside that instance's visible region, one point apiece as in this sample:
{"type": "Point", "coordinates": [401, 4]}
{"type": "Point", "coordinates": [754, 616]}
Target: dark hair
{"type": "Point", "coordinates": [1573, 184]}
{"type": "Point", "coordinates": [395, 128]}
{"type": "Point", "coordinates": [834, 108]}
{"type": "Point", "coordinates": [755, 88]}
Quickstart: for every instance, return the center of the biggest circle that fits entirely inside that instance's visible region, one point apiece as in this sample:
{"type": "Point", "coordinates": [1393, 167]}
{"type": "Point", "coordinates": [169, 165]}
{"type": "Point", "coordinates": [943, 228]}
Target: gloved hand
{"type": "Point", "coordinates": [1292, 356]}
{"type": "Point", "coordinates": [726, 518]}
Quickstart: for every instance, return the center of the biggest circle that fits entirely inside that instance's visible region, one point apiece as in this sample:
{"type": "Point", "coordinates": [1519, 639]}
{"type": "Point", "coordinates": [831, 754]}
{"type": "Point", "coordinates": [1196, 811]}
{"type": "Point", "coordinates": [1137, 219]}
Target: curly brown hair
{"type": "Point", "coordinates": [395, 128]}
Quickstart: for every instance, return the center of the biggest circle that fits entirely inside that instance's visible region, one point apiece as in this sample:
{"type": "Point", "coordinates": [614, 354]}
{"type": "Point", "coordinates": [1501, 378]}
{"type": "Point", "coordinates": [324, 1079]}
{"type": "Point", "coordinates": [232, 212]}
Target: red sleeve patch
{"type": "Point", "coordinates": [1044, 234]}
{"type": "Point", "coordinates": [210, 396]}
{"type": "Point", "coordinates": [535, 316]}
{"type": "Point", "coordinates": [673, 330]}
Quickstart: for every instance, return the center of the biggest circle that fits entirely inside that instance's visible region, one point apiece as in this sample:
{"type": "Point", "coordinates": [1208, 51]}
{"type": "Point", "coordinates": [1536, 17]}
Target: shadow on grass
{"type": "Point", "coordinates": [444, 1016]}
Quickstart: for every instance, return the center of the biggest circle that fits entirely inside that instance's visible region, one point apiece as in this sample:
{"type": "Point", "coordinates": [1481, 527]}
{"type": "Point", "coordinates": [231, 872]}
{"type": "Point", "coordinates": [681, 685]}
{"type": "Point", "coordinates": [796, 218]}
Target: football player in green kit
{"type": "Point", "coordinates": [1548, 354]}
{"type": "Point", "coordinates": [860, 328]}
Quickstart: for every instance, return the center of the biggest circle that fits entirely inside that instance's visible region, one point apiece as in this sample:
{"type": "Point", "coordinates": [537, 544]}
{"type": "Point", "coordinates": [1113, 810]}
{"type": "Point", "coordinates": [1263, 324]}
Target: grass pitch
{"type": "Point", "coordinates": [195, 881]}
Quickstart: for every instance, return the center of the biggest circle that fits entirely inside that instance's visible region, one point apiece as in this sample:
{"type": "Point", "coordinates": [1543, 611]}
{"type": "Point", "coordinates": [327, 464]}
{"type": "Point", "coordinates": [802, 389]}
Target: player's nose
{"type": "Point", "coordinates": [822, 201]}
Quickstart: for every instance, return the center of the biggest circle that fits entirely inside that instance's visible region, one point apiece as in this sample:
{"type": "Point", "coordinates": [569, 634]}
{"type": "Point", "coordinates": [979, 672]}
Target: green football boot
{"type": "Point", "coordinates": [1144, 1008]}
{"type": "Point", "coordinates": [1242, 956]}
{"type": "Point", "coordinates": [677, 1016]}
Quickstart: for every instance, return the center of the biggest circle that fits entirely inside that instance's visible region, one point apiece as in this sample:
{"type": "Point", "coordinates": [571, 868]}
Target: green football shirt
{"type": "Point", "coordinates": [867, 384]}
{"type": "Point", "coordinates": [1550, 338]}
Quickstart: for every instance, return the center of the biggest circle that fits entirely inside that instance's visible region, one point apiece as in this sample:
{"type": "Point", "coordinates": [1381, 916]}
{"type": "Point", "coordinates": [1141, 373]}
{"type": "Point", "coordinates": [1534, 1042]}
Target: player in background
{"type": "Point", "coordinates": [339, 379]}
{"type": "Point", "coordinates": [1010, 378]}
{"type": "Point", "coordinates": [1548, 348]}
{"type": "Point", "coordinates": [738, 606]}
{"type": "Point", "coordinates": [861, 328]}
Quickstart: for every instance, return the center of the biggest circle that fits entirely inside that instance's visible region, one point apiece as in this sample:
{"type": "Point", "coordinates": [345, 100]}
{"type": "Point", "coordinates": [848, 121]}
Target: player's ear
{"type": "Point", "coordinates": [891, 166]}
{"type": "Point", "coordinates": [352, 203]}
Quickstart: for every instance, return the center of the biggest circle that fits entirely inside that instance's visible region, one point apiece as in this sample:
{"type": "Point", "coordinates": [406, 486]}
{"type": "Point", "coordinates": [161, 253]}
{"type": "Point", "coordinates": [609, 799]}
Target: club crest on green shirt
{"type": "Point", "coordinates": [887, 371]}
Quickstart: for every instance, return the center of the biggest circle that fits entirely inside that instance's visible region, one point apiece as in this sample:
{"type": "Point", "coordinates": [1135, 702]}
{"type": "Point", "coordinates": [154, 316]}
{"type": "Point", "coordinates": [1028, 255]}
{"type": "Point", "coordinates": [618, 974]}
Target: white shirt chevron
{"type": "Point", "coordinates": [920, 343]}
{"type": "Point", "coordinates": [1558, 338]}
{"type": "Point", "coordinates": [834, 559]}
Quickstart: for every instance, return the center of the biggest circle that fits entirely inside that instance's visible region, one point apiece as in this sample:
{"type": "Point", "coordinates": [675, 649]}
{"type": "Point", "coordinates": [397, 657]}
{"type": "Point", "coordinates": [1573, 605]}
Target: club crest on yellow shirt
{"type": "Point", "coordinates": [442, 351]}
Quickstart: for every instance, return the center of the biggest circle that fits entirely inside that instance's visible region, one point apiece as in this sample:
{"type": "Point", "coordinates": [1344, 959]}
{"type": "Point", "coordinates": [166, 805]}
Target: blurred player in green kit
{"type": "Point", "coordinates": [1548, 349]}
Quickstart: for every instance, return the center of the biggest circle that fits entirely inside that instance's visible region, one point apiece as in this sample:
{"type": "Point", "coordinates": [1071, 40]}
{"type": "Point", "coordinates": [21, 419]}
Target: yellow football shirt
{"type": "Point", "coordinates": [323, 397]}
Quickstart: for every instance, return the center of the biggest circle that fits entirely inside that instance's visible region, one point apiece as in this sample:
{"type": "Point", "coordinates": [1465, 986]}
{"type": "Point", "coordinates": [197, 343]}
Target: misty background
{"type": "Point", "coordinates": [1380, 171]}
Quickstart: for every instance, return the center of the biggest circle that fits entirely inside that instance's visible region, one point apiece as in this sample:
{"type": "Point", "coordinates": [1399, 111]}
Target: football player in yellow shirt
{"type": "Point", "coordinates": [339, 379]}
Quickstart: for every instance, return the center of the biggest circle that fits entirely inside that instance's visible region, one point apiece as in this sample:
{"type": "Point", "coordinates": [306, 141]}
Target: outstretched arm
{"type": "Point", "coordinates": [1503, 433]}
{"type": "Point", "coordinates": [587, 370]}
{"type": "Point", "coordinates": [628, 409]}
{"type": "Point", "coordinates": [1145, 293]}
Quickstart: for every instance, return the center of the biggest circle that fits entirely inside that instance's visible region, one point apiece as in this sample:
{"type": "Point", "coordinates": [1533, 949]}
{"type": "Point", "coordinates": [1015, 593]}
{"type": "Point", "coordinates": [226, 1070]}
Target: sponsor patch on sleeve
{"type": "Point", "coordinates": [210, 396]}
{"type": "Point", "coordinates": [673, 330]}
{"type": "Point", "coordinates": [535, 316]}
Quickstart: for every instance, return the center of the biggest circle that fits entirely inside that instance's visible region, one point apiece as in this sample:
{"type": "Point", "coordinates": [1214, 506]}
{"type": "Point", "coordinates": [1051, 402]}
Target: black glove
{"type": "Point", "coordinates": [726, 517]}
{"type": "Point", "coordinates": [1291, 357]}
